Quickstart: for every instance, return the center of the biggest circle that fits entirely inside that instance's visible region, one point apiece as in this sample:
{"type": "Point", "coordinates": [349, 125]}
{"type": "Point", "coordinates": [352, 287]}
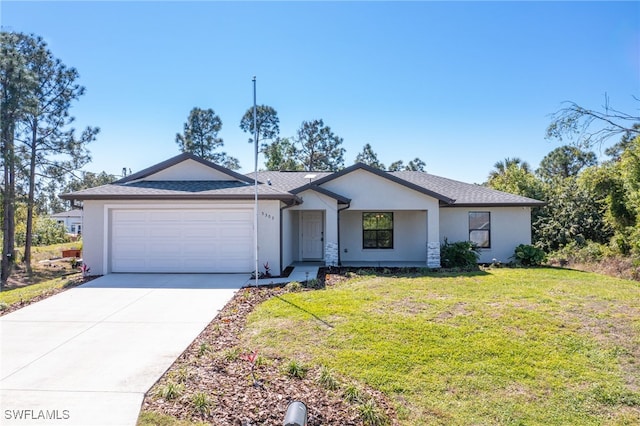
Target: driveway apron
{"type": "Point", "coordinates": [88, 355]}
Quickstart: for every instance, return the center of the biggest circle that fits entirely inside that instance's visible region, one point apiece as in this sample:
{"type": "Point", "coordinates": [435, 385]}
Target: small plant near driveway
{"type": "Point", "coordinates": [204, 349]}
{"type": "Point", "coordinates": [201, 403]}
{"type": "Point", "coordinates": [296, 369]}
{"type": "Point", "coordinates": [327, 380]}
{"type": "Point", "coordinates": [371, 415]}
{"type": "Point", "coordinates": [252, 358]}
{"type": "Point", "coordinates": [170, 390]}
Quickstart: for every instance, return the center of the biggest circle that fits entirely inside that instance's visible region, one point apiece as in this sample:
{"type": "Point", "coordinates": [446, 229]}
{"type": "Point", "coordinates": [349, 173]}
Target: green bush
{"type": "Point", "coordinates": [46, 231]}
{"type": "Point", "coordinates": [461, 254]}
{"type": "Point", "coordinates": [528, 255]}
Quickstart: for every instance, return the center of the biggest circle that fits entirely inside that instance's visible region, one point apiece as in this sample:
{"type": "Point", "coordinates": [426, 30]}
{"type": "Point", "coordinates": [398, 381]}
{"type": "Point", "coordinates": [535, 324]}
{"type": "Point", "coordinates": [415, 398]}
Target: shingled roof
{"type": "Point", "coordinates": [285, 186]}
{"type": "Point", "coordinates": [448, 191]}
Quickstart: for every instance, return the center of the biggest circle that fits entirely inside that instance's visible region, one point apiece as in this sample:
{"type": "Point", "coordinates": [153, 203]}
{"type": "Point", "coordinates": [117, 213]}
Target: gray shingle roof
{"type": "Point", "coordinates": [180, 190]}
{"type": "Point", "coordinates": [286, 185]}
{"type": "Point", "coordinates": [448, 191]}
{"type": "Point", "coordinates": [465, 194]}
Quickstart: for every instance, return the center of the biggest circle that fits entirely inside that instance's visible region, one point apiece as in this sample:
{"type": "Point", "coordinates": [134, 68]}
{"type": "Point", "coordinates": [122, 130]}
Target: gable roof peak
{"type": "Point", "coordinates": [185, 156]}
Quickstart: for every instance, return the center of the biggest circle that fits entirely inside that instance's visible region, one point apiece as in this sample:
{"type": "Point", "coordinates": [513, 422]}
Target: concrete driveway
{"type": "Point", "coordinates": [88, 355]}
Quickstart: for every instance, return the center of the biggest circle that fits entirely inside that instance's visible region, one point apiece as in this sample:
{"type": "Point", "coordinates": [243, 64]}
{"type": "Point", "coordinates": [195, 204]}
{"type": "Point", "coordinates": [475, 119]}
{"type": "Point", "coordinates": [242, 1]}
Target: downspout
{"type": "Point", "coordinates": [339, 247]}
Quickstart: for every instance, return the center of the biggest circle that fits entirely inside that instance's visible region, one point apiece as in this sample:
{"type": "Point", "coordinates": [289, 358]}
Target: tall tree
{"type": "Point", "coordinates": [501, 167]}
{"type": "Point", "coordinates": [615, 151]}
{"type": "Point", "coordinates": [320, 148]}
{"type": "Point", "coordinates": [16, 85]}
{"type": "Point", "coordinates": [281, 155]}
{"type": "Point", "coordinates": [396, 166]}
{"type": "Point", "coordinates": [571, 215]}
{"type": "Point", "coordinates": [416, 165]}
{"type": "Point", "coordinates": [50, 150]}
{"type": "Point", "coordinates": [589, 127]}
{"type": "Point", "coordinates": [200, 137]}
{"type": "Point", "coordinates": [565, 161]}
{"type": "Point", "coordinates": [518, 180]}
{"type": "Point", "coordinates": [267, 122]}
{"type": "Point", "coordinates": [369, 157]}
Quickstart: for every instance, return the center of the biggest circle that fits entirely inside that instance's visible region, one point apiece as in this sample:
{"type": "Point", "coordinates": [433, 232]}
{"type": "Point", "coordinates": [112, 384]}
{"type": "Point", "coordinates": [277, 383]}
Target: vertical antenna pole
{"type": "Point", "coordinates": [255, 179]}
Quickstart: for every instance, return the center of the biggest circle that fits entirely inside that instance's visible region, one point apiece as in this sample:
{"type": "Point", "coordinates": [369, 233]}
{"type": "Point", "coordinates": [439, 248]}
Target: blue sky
{"type": "Point", "coordinates": [459, 84]}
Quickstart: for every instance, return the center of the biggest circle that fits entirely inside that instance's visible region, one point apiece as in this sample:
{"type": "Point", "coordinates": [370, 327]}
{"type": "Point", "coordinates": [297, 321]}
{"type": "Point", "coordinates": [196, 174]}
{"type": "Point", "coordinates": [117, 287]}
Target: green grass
{"type": "Point", "coordinates": [501, 347]}
{"type": "Point", "coordinates": [26, 293]}
{"type": "Point", "coordinates": [49, 252]}
{"type": "Point", "coordinates": [150, 418]}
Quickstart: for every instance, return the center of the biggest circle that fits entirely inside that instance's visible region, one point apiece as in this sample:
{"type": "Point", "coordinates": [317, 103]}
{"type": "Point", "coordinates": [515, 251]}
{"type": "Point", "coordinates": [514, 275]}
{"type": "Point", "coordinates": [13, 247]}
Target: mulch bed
{"type": "Point", "coordinates": [241, 393]}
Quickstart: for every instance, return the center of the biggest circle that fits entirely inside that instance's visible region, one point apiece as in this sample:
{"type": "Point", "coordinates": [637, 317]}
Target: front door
{"type": "Point", "coordinates": [312, 235]}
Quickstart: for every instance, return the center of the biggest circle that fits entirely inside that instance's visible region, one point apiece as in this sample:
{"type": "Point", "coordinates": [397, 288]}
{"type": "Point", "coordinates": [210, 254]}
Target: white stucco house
{"type": "Point", "coordinates": [189, 215]}
{"type": "Point", "coordinates": [72, 220]}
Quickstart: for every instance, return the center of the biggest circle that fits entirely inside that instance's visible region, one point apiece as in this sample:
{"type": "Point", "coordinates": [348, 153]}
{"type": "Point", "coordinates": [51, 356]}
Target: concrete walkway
{"type": "Point", "coordinates": [88, 355]}
{"type": "Point", "coordinates": [300, 274]}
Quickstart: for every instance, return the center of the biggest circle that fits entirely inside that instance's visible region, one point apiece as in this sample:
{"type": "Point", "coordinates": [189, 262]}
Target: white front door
{"type": "Point", "coordinates": [312, 235]}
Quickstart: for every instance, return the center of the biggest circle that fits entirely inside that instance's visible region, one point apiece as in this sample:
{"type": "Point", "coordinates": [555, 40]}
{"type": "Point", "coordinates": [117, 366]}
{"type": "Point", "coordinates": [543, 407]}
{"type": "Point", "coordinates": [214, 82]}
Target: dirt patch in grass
{"type": "Point", "coordinates": [42, 271]}
{"type": "Point", "coordinates": [219, 381]}
{"type": "Point", "coordinates": [605, 323]}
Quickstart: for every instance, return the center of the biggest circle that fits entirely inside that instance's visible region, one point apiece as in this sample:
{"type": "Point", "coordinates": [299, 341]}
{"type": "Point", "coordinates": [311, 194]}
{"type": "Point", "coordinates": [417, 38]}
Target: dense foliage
{"type": "Point", "coordinates": [587, 204]}
{"type": "Point", "coordinates": [460, 254]}
{"type": "Point", "coordinates": [528, 255]}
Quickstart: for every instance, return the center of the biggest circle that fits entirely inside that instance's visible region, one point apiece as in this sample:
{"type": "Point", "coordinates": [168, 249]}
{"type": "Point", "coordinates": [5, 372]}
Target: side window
{"type": "Point", "coordinates": [480, 229]}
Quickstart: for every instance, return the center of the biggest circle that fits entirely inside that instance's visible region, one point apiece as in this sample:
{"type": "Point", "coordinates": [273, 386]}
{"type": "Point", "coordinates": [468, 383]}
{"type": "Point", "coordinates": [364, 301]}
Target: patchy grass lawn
{"type": "Point", "coordinates": [499, 347]}
{"type": "Point", "coordinates": [24, 295]}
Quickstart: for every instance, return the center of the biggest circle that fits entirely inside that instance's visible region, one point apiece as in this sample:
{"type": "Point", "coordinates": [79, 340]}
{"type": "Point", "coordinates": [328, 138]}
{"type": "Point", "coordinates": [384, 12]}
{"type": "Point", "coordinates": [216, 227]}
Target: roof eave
{"type": "Point", "coordinates": [313, 187]}
{"type": "Point", "coordinates": [282, 197]}
{"type": "Point", "coordinates": [525, 204]}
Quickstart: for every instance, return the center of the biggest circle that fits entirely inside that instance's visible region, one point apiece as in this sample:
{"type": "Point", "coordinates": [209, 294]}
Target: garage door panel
{"type": "Point", "coordinates": [182, 240]}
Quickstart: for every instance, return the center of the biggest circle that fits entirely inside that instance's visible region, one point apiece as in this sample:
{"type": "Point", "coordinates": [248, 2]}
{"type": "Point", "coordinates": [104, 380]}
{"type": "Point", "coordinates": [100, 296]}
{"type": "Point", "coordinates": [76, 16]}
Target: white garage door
{"type": "Point", "coordinates": [196, 240]}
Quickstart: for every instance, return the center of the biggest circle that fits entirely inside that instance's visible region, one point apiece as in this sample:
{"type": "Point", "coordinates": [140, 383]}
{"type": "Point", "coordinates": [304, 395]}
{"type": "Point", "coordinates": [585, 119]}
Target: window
{"type": "Point", "coordinates": [377, 230]}
{"type": "Point", "coordinates": [480, 229]}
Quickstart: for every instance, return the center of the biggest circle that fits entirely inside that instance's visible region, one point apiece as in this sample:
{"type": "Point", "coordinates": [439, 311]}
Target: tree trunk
{"type": "Point", "coordinates": [8, 220]}
{"type": "Point", "coordinates": [30, 200]}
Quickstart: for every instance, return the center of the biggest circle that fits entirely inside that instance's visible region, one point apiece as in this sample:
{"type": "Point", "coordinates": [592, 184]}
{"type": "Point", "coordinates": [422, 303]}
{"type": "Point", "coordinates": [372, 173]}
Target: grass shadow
{"type": "Point", "coordinates": [300, 308]}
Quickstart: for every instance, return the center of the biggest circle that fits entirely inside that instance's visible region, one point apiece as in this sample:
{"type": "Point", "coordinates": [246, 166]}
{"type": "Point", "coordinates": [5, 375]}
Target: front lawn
{"type": "Point", "coordinates": [501, 347]}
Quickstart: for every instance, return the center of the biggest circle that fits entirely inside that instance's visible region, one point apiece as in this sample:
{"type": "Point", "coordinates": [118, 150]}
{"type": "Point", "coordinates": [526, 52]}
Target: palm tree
{"type": "Point", "coordinates": [501, 167]}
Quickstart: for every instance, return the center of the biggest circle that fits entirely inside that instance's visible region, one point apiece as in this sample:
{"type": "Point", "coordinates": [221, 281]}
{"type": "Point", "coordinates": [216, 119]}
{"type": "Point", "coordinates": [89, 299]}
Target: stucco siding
{"type": "Point", "coordinates": [189, 170]}
{"type": "Point", "coordinates": [368, 191]}
{"type": "Point", "coordinates": [510, 226]}
{"type": "Point", "coordinates": [409, 238]}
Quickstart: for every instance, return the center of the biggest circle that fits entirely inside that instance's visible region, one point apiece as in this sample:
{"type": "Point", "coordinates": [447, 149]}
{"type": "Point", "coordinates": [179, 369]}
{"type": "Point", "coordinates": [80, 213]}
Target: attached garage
{"type": "Point", "coordinates": [181, 240]}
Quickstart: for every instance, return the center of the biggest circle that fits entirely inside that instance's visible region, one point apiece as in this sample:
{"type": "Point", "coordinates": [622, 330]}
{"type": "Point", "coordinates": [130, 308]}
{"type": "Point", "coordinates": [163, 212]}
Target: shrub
{"type": "Point", "coordinates": [327, 380]}
{"type": "Point", "coordinates": [296, 369]}
{"type": "Point", "coordinates": [528, 255]}
{"type": "Point", "coordinates": [371, 414]}
{"type": "Point", "coordinates": [201, 403]}
{"type": "Point", "coordinates": [170, 391]}
{"type": "Point", "coordinates": [293, 287]}
{"type": "Point", "coordinates": [461, 254]}
{"type": "Point", "coordinates": [313, 284]}
{"type": "Point", "coordinates": [352, 394]}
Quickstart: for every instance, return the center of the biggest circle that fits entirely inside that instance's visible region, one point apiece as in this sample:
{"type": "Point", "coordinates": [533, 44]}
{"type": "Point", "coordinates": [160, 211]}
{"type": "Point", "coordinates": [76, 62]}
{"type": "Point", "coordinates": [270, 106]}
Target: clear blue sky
{"type": "Point", "coordinates": [459, 84]}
